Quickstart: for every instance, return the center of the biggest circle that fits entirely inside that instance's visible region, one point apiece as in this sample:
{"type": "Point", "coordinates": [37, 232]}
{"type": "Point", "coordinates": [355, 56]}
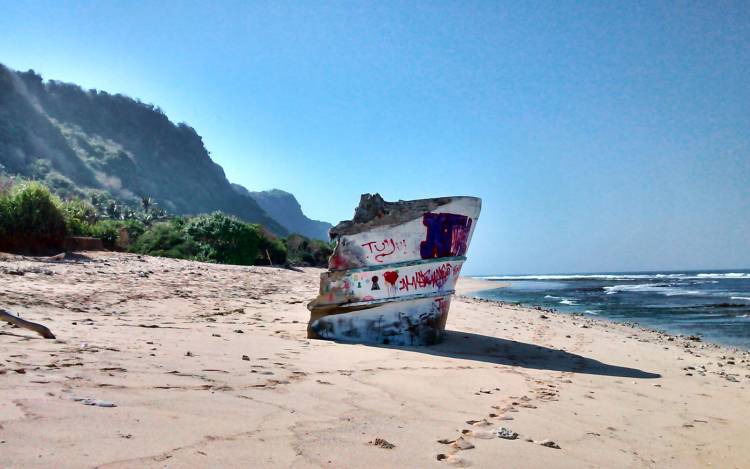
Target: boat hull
{"type": "Point", "coordinates": [418, 321]}
{"type": "Point", "coordinates": [393, 271]}
{"type": "Point", "coordinates": [389, 282]}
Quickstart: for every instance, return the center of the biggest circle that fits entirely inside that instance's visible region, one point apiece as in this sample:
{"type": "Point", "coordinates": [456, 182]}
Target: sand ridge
{"type": "Point", "coordinates": [209, 365]}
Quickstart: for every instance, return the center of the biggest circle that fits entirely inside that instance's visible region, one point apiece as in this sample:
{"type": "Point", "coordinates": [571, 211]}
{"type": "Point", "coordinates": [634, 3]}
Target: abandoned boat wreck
{"type": "Point", "coordinates": [393, 271]}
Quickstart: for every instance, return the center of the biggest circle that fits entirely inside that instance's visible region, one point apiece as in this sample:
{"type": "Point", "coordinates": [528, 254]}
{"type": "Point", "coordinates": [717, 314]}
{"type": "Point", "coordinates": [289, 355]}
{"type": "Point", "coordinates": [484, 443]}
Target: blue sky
{"type": "Point", "coordinates": [601, 136]}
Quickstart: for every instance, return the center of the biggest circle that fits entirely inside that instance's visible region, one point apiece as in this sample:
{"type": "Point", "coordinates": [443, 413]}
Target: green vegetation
{"type": "Point", "coordinates": [166, 239]}
{"type": "Point", "coordinates": [78, 142]}
{"type": "Point", "coordinates": [212, 238]}
{"type": "Point", "coordinates": [307, 252]}
{"type": "Point", "coordinates": [224, 239]}
{"type": "Point", "coordinates": [33, 220]}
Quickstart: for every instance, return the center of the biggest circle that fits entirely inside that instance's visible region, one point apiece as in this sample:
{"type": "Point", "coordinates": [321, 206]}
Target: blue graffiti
{"type": "Point", "coordinates": [447, 235]}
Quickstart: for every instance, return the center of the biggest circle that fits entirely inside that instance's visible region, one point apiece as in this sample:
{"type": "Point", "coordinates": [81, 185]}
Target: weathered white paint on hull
{"type": "Point", "coordinates": [409, 240]}
{"type": "Point", "coordinates": [393, 271]}
{"type": "Point", "coordinates": [413, 322]}
{"type": "Point", "coordinates": [392, 282]}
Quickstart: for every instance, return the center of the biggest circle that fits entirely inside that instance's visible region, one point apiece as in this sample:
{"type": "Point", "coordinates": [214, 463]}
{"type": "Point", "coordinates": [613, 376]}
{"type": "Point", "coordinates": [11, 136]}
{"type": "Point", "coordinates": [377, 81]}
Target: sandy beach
{"type": "Point", "coordinates": [469, 285]}
{"type": "Point", "coordinates": [170, 363]}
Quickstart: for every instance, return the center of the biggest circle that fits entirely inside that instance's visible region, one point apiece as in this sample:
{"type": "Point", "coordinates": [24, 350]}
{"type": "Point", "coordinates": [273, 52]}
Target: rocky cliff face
{"type": "Point", "coordinates": [78, 141]}
{"type": "Point", "coordinates": [284, 208]}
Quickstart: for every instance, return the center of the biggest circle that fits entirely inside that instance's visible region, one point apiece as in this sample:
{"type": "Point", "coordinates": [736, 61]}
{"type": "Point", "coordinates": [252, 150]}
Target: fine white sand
{"type": "Point", "coordinates": [209, 366]}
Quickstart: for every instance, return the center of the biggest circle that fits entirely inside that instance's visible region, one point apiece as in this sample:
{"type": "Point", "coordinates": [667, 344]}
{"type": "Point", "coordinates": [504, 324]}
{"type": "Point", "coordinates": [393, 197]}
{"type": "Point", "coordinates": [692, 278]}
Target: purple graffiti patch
{"type": "Point", "coordinates": [447, 235]}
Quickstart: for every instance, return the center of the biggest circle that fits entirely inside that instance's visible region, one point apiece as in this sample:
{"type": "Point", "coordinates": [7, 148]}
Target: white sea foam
{"type": "Point", "coordinates": [552, 297]}
{"type": "Point", "coordinates": [616, 277]}
{"type": "Point", "coordinates": [651, 288]}
{"type": "Point", "coordinates": [568, 302]}
{"type": "Point", "coordinates": [592, 312]}
{"type": "Point", "coordinates": [746, 298]}
{"type": "Point", "coordinates": [568, 277]}
{"type": "Point", "coordinates": [611, 290]}
{"type": "Point", "coordinates": [730, 275]}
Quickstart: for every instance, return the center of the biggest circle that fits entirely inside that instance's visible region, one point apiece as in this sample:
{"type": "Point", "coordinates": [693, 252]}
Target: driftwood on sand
{"type": "Point", "coordinates": [16, 320]}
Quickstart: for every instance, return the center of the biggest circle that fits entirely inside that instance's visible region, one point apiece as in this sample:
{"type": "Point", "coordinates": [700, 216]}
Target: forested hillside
{"type": "Point", "coordinates": [82, 142]}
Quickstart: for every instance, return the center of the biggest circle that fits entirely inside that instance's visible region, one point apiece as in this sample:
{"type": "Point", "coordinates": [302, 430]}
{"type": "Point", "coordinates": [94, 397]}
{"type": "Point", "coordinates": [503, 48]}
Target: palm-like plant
{"type": "Point", "coordinates": [113, 210]}
{"type": "Point", "coordinates": [146, 202]}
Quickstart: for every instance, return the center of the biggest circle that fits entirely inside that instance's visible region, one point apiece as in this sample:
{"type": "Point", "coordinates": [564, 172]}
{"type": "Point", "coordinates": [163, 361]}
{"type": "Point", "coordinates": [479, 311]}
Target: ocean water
{"type": "Point", "coordinates": [712, 304]}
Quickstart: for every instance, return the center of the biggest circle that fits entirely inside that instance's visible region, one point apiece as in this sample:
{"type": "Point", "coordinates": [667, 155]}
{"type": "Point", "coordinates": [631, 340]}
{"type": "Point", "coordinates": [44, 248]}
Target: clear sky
{"type": "Point", "coordinates": [601, 136]}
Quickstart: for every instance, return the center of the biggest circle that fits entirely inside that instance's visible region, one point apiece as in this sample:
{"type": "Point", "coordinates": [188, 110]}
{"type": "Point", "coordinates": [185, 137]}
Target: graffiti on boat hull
{"type": "Point", "coordinates": [447, 235]}
{"type": "Point", "coordinates": [419, 322]}
{"type": "Point", "coordinates": [393, 271]}
{"type": "Point", "coordinates": [388, 283]}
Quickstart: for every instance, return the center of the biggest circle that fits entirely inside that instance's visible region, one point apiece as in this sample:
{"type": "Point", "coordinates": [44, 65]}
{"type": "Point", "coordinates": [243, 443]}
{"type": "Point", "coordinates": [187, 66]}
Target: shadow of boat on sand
{"type": "Point", "coordinates": [488, 349]}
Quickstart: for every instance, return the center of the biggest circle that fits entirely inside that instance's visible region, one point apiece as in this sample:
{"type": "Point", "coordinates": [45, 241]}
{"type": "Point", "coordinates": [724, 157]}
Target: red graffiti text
{"type": "Point", "coordinates": [428, 278]}
{"type": "Point", "coordinates": [384, 248]}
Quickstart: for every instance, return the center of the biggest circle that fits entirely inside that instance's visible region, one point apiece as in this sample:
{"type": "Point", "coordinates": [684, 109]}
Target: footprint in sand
{"type": "Point", "coordinates": [453, 460]}
{"type": "Point", "coordinates": [462, 444]}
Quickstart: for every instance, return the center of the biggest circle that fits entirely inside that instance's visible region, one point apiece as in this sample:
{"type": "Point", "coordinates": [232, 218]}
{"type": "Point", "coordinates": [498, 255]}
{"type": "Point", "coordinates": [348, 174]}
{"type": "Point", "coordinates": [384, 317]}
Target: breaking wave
{"type": "Point", "coordinates": [715, 304]}
{"type": "Point", "coordinates": [616, 277]}
{"type": "Point", "coordinates": [666, 290]}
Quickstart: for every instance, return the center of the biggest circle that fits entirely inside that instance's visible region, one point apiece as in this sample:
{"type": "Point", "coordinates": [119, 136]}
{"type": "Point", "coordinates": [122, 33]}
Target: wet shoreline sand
{"type": "Point", "coordinates": [209, 365]}
{"type": "Point", "coordinates": [469, 285]}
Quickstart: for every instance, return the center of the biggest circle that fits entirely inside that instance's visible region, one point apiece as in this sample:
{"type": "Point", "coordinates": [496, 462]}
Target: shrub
{"type": "Point", "coordinates": [32, 220]}
{"type": "Point", "coordinates": [4, 217]}
{"type": "Point", "coordinates": [270, 246]}
{"type": "Point", "coordinates": [4, 207]}
{"type": "Point", "coordinates": [79, 216]}
{"type": "Point", "coordinates": [106, 230]}
{"type": "Point", "coordinates": [166, 239]}
{"type": "Point", "coordinates": [81, 220]}
{"type": "Point", "coordinates": [213, 238]}
{"type": "Point", "coordinates": [225, 239]}
{"type": "Point", "coordinates": [307, 252]}
{"type": "Point", "coordinates": [135, 228]}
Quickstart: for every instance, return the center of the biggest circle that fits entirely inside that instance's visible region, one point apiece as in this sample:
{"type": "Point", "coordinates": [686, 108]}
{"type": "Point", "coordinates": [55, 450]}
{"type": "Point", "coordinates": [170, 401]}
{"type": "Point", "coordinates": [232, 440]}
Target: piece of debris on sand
{"type": "Point", "coordinates": [382, 443]}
